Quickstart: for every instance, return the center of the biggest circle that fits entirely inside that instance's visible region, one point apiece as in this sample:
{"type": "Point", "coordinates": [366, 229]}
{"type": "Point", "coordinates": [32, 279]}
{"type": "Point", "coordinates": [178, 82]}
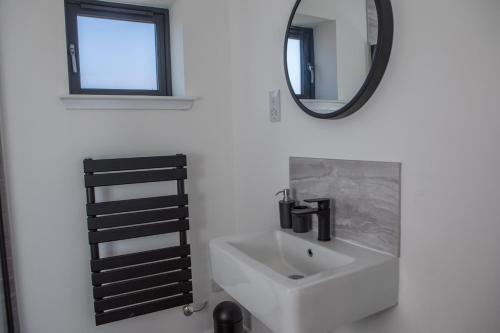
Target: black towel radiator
{"type": "Point", "coordinates": [130, 285]}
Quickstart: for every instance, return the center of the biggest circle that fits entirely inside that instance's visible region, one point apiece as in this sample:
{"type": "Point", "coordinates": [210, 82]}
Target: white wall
{"type": "Point", "coordinates": [325, 58]}
{"type": "Point", "coordinates": [436, 111]}
{"type": "Point", "coordinates": [45, 145]}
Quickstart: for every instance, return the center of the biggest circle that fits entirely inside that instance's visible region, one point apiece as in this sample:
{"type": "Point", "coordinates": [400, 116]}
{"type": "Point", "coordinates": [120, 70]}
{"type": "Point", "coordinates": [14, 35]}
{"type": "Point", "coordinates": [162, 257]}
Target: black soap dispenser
{"type": "Point", "coordinates": [285, 207]}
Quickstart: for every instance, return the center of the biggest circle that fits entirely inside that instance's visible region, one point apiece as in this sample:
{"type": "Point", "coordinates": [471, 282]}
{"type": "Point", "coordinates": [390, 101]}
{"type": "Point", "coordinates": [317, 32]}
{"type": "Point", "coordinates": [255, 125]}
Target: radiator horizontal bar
{"type": "Point", "coordinates": [121, 220]}
{"type": "Point", "coordinates": [142, 296]}
{"type": "Point", "coordinates": [135, 177]}
{"type": "Point", "coordinates": [133, 311]}
{"type": "Point", "coordinates": [136, 163]}
{"type": "Point", "coordinates": [122, 206]}
{"type": "Point", "coordinates": [140, 271]}
{"type": "Point", "coordinates": [139, 258]}
{"type": "Point", "coordinates": [141, 283]}
{"type": "Point", "coordinates": [112, 235]}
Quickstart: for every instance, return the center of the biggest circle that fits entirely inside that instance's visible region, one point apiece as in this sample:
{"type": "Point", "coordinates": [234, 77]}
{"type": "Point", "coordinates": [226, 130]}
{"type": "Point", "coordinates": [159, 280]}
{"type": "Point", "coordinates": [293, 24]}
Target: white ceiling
{"type": "Point", "coordinates": [307, 21]}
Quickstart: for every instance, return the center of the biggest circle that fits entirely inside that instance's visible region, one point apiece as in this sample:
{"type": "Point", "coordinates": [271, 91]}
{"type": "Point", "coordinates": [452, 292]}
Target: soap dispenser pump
{"type": "Point", "coordinates": [285, 207]}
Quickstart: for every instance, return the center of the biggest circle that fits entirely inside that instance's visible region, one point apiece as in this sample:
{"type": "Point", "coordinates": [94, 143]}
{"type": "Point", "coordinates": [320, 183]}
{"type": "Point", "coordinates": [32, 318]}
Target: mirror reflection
{"type": "Point", "coordinates": [331, 44]}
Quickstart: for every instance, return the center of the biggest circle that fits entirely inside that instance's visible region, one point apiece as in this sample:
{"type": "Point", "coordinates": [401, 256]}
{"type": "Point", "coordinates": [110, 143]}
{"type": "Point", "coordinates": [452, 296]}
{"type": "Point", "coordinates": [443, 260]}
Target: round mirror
{"type": "Point", "coordinates": [336, 52]}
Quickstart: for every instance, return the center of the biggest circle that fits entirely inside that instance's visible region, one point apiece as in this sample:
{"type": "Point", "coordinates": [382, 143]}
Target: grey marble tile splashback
{"type": "Point", "coordinates": [366, 195]}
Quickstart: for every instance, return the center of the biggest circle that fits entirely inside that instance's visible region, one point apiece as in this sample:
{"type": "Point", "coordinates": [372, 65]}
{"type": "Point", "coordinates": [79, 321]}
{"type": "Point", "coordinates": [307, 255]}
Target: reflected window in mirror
{"type": "Point", "coordinates": [336, 53]}
{"type": "Point", "coordinates": [320, 67]}
{"type": "Point", "coordinates": [300, 55]}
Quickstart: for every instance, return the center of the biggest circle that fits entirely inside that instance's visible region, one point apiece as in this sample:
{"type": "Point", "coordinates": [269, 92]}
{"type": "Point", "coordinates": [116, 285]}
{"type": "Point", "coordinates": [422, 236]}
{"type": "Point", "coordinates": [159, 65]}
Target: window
{"type": "Point", "coordinates": [117, 49]}
{"type": "Point", "coordinates": [294, 64]}
{"type": "Point", "coordinates": [300, 61]}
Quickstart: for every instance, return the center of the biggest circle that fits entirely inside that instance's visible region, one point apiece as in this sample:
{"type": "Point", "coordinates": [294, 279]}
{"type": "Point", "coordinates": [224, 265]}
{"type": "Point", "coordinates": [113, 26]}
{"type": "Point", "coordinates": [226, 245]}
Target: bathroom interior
{"type": "Point", "coordinates": [235, 166]}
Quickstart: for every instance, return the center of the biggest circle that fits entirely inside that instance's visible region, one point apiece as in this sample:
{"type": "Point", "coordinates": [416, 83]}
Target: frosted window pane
{"type": "Point", "coordinates": [117, 54]}
{"type": "Point", "coordinates": [294, 67]}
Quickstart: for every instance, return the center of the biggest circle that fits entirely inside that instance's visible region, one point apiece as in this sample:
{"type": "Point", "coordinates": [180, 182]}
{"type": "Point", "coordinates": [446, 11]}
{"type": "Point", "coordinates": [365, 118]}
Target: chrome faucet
{"type": "Point", "coordinates": [323, 213]}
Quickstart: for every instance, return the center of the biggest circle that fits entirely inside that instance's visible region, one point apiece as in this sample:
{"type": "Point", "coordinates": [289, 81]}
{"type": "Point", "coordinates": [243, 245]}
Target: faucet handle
{"type": "Point", "coordinates": [323, 203]}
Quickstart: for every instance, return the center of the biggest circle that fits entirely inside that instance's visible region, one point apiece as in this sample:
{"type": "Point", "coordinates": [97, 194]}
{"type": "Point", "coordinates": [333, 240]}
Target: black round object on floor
{"type": "Point", "coordinates": [228, 318]}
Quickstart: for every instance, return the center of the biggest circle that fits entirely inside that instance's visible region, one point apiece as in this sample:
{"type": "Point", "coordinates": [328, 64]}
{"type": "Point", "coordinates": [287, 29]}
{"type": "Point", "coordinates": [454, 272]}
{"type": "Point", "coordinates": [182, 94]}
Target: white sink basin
{"type": "Point", "coordinates": [295, 284]}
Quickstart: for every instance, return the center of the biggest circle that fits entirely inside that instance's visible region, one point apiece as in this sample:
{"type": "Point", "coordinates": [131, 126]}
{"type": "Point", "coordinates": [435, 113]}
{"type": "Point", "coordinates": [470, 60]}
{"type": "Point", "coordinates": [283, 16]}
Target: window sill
{"type": "Point", "coordinates": [127, 102]}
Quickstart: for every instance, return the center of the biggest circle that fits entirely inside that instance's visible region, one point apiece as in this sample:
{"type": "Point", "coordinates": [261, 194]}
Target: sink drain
{"type": "Point", "coordinates": [296, 277]}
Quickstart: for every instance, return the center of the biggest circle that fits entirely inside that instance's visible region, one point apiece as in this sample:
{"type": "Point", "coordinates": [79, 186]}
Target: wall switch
{"type": "Point", "coordinates": [275, 106]}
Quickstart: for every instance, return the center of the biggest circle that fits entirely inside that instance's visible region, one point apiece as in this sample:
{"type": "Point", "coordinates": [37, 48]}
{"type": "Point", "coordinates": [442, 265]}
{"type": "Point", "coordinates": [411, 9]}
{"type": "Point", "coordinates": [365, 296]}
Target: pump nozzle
{"type": "Point", "coordinates": [286, 194]}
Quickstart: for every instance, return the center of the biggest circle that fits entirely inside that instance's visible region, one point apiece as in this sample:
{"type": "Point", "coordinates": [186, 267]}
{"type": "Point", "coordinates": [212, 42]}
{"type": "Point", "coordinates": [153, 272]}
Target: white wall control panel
{"type": "Point", "coordinates": [275, 106]}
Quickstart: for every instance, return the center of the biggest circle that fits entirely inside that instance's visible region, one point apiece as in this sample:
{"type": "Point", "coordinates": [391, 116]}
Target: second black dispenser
{"type": "Point", "coordinates": [287, 220]}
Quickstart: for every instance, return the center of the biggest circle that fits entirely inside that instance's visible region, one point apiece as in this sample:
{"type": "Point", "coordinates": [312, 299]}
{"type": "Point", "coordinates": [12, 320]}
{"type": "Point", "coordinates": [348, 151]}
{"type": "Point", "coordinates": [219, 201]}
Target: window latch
{"type": "Point", "coordinates": [310, 68]}
{"type": "Point", "coordinates": [72, 52]}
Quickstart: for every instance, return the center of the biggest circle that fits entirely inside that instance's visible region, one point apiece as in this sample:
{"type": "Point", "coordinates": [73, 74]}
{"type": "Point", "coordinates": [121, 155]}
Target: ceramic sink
{"type": "Point", "coordinates": [295, 284]}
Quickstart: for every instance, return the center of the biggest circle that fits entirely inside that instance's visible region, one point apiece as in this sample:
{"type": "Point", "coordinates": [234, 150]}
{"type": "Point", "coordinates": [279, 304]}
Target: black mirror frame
{"type": "Point", "coordinates": [380, 62]}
